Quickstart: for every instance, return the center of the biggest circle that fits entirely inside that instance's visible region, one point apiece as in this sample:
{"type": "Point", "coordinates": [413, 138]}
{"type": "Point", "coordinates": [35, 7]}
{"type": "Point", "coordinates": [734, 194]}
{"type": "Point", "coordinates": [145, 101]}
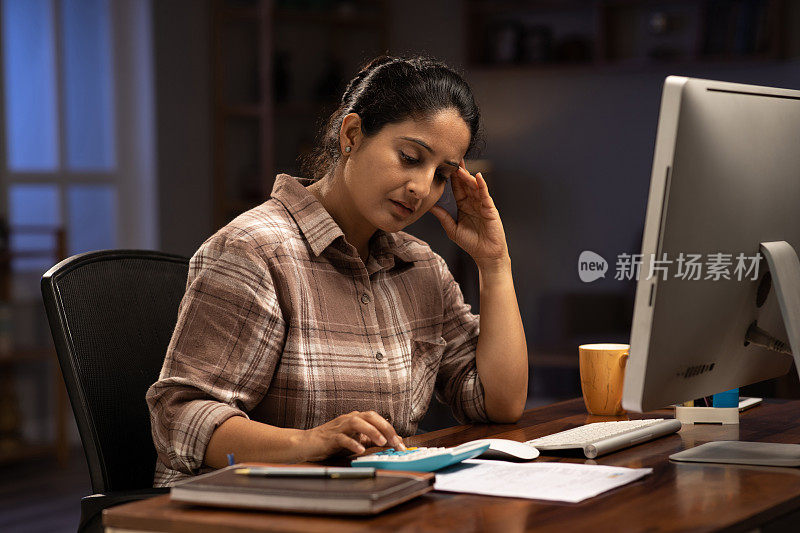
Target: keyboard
{"type": "Point", "coordinates": [600, 438]}
{"type": "Point", "coordinates": [418, 459]}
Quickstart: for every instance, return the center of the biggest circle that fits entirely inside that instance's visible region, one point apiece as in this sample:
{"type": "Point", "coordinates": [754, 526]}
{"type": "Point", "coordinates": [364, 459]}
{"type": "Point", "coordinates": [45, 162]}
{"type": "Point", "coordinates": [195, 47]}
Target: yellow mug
{"type": "Point", "coordinates": [602, 369]}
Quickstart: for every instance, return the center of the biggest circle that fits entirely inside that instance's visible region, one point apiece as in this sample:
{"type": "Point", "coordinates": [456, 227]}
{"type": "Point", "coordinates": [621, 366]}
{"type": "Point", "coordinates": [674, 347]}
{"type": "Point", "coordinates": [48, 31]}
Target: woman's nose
{"type": "Point", "coordinates": [420, 184]}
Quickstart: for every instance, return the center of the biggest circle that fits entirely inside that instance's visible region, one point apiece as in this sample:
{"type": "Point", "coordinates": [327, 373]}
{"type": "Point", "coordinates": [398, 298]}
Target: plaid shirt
{"type": "Point", "coordinates": [283, 323]}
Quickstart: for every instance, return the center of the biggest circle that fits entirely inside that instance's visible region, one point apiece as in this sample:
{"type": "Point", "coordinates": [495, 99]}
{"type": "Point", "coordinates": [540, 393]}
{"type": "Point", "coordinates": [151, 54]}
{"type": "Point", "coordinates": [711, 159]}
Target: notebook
{"type": "Point", "coordinates": [224, 488]}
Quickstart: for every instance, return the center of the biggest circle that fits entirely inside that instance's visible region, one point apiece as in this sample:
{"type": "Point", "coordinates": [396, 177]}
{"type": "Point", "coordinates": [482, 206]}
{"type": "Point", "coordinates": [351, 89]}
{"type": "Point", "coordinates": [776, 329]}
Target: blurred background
{"type": "Point", "coordinates": [151, 123]}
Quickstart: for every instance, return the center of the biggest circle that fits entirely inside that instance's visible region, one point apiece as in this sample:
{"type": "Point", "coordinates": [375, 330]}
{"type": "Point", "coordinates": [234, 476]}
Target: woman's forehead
{"type": "Point", "coordinates": [444, 132]}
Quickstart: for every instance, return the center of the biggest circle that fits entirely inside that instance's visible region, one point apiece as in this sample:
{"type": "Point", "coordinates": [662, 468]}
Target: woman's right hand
{"type": "Point", "coordinates": [350, 432]}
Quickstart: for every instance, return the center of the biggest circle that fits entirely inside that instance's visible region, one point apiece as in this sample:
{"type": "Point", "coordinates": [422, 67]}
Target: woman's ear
{"type": "Point", "coordinates": [350, 133]}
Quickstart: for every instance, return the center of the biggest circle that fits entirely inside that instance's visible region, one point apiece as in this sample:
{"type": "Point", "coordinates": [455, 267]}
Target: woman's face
{"type": "Point", "coordinates": [398, 174]}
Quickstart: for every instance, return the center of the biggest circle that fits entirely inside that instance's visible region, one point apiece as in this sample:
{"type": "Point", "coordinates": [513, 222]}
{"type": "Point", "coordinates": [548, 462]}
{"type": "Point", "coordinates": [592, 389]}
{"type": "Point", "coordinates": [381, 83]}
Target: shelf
{"type": "Point", "coordinates": [274, 64]}
{"type": "Point", "coordinates": [627, 66]}
{"type": "Point", "coordinates": [626, 35]}
{"type": "Point", "coordinates": [327, 17]}
{"type": "Point", "coordinates": [513, 6]}
{"type": "Point", "coordinates": [240, 13]}
{"type": "Point", "coordinates": [339, 17]}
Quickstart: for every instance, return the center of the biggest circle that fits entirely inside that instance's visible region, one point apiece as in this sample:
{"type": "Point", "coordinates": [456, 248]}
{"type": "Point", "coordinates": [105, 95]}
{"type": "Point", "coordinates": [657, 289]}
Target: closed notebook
{"type": "Point", "coordinates": [224, 488]}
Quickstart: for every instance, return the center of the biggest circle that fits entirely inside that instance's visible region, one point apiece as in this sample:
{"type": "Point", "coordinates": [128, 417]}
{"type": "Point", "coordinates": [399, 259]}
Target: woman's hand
{"type": "Point", "coordinates": [479, 230]}
{"type": "Point", "coordinates": [351, 432]}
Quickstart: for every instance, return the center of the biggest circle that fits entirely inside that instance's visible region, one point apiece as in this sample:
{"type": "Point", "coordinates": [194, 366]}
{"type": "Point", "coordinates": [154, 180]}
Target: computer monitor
{"type": "Point", "coordinates": [725, 180]}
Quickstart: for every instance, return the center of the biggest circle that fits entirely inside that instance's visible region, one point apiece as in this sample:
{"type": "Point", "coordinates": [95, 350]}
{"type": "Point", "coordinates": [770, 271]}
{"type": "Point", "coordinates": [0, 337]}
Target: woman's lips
{"type": "Point", "coordinates": [401, 209]}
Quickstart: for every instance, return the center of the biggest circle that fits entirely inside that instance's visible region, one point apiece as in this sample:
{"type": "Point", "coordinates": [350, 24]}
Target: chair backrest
{"type": "Point", "coordinates": [112, 314]}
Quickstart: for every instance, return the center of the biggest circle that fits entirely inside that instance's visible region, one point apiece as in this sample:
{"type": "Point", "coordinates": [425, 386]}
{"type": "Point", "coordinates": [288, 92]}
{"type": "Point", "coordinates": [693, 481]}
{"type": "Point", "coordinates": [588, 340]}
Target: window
{"type": "Point", "coordinates": [65, 160]}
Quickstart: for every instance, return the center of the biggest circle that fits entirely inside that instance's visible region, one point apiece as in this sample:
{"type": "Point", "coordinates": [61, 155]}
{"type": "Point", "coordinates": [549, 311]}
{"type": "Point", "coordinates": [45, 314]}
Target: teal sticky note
{"type": "Point", "coordinates": [728, 398]}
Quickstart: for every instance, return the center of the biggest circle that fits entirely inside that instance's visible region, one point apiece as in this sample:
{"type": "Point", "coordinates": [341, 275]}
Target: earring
{"type": "Point", "coordinates": [347, 149]}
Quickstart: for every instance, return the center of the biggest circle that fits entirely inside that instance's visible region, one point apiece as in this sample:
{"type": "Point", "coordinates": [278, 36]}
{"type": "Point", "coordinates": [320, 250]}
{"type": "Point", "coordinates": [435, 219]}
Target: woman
{"type": "Point", "coordinates": [312, 325]}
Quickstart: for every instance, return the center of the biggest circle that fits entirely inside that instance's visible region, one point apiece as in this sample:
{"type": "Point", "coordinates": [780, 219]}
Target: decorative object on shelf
{"type": "Point", "coordinates": [537, 44]}
{"type": "Point", "coordinates": [505, 42]}
{"type": "Point", "coordinates": [658, 23]}
{"type": "Point", "coordinates": [669, 32]}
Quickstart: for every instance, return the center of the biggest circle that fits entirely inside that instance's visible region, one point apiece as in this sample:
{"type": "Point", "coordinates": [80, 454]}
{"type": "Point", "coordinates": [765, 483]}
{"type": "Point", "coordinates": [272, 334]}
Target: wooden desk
{"type": "Point", "coordinates": [675, 497]}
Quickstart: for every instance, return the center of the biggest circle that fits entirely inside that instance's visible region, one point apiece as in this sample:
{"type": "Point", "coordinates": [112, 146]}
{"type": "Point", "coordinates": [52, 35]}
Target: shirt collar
{"type": "Point", "coordinates": [394, 244]}
{"type": "Point", "coordinates": [320, 230]}
{"type": "Point", "coordinates": [316, 224]}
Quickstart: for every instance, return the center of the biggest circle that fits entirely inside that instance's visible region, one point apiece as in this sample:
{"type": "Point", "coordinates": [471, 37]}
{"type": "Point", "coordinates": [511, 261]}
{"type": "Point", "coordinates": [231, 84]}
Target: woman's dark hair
{"type": "Point", "coordinates": [389, 90]}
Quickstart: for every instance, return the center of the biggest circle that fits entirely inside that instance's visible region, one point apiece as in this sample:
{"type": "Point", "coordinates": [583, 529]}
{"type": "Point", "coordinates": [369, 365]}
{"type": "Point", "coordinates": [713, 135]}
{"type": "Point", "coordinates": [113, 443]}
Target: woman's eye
{"type": "Point", "coordinates": [442, 178]}
{"type": "Point", "coordinates": [408, 158]}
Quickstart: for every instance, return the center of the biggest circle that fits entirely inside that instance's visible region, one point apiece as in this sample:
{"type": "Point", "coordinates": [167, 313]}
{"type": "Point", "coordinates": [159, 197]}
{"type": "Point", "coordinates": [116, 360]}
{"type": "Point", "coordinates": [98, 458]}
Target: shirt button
{"type": "Point", "coordinates": [365, 298]}
{"type": "Point", "coordinates": [379, 356]}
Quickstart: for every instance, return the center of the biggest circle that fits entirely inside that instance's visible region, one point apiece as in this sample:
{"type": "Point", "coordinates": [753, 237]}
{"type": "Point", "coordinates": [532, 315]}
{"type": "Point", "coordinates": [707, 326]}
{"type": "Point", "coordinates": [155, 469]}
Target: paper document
{"type": "Point", "coordinates": [563, 482]}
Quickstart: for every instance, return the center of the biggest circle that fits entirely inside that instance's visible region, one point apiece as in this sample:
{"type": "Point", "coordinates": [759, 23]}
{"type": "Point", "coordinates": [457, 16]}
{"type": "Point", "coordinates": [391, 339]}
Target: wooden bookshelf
{"type": "Point", "coordinates": [626, 34]}
{"type": "Point", "coordinates": [278, 68]}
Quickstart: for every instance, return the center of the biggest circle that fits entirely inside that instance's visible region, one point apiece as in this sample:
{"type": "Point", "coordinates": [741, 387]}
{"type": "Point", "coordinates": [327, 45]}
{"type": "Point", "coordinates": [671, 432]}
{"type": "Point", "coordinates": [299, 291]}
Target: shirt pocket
{"type": "Point", "coordinates": [426, 355]}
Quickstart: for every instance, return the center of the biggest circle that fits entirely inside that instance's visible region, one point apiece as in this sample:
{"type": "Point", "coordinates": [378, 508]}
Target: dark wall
{"type": "Point", "coordinates": [572, 154]}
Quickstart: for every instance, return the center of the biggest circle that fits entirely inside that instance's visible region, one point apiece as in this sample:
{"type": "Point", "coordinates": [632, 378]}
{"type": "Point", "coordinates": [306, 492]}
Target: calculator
{"type": "Point", "coordinates": [421, 459]}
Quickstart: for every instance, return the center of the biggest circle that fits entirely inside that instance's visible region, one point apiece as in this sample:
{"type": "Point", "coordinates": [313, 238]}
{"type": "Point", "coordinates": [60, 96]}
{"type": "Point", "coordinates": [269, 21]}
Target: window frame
{"type": "Point", "coordinates": [133, 106]}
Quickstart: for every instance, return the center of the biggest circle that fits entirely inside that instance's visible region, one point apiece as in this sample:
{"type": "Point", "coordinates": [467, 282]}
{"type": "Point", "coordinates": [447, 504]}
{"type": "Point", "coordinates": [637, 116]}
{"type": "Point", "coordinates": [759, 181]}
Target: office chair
{"type": "Point", "coordinates": [112, 314]}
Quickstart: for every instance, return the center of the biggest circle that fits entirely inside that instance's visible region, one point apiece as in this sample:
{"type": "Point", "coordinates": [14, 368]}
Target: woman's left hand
{"type": "Point", "coordinates": [479, 230]}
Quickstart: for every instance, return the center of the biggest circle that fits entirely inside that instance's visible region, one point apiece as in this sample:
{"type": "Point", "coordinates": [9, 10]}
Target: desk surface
{"type": "Point", "coordinates": [676, 496]}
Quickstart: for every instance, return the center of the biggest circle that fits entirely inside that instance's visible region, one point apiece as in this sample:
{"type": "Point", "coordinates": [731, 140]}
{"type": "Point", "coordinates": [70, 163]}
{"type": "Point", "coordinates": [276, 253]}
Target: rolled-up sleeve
{"type": "Point", "coordinates": [227, 341]}
{"type": "Point", "coordinates": [458, 383]}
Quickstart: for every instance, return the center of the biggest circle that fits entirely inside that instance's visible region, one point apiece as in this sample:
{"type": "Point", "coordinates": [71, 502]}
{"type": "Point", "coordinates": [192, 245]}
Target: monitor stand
{"type": "Point", "coordinates": [784, 267]}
